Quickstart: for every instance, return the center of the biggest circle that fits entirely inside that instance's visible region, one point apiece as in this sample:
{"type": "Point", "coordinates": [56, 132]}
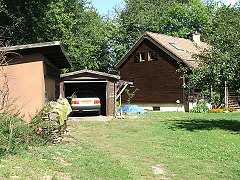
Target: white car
{"type": "Point", "coordinates": [85, 101]}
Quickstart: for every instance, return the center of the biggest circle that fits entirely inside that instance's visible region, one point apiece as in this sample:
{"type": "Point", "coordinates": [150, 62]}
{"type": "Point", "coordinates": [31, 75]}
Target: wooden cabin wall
{"type": "Point", "coordinates": [157, 81]}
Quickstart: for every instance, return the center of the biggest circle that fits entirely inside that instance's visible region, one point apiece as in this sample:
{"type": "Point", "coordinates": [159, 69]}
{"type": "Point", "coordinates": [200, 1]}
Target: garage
{"type": "Point", "coordinates": [102, 84]}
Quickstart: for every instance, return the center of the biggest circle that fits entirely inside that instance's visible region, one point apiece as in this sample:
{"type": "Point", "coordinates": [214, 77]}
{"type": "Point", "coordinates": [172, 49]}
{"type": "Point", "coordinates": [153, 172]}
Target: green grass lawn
{"type": "Point", "coordinates": [152, 146]}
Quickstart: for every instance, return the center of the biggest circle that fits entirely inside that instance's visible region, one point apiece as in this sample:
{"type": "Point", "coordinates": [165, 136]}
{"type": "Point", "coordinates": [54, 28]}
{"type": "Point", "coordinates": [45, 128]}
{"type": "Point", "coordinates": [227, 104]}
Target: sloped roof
{"type": "Point", "coordinates": [164, 42]}
{"type": "Point", "coordinates": [51, 50]}
{"type": "Point", "coordinates": [91, 72]}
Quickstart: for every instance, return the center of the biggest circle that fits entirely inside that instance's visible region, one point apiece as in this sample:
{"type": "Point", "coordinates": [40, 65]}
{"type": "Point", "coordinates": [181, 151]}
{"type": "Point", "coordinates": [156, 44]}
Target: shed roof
{"type": "Point", "coordinates": [91, 72]}
{"type": "Point", "coordinates": [53, 51]}
{"type": "Point", "coordinates": [180, 49]}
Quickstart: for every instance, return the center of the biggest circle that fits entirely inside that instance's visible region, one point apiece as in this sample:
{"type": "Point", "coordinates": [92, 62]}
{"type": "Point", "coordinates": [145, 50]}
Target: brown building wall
{"type": "Point", "coordinates": [26, 83]}
{"type": "Point", "coordinates": [157, 81]}
{"type": "Point", "coordinates": [50, 81]}
{"type": "Point", "coordinates": [111, 98]}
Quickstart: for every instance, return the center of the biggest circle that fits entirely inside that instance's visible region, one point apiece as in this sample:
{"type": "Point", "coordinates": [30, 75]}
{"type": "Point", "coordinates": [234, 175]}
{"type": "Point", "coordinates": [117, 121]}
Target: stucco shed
{"type": "Point", "coordinates": [33, 74]}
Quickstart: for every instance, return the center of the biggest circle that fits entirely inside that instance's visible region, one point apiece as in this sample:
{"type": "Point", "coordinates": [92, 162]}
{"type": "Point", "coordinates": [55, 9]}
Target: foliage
{"type": "Point", "coordinates": [76, 23]}
{"type": "Point", "coordinates": [213, 97]}
{"type": "Point", "coordinates": [218, 110]}
{"type": "Point", "coordinates": [220, 62]}
{"type": "Point", "coordinates": [230, 109]}
{"type": "Point", "coordinates": [13, 131]}
{"type": "Point", "coordinates": [131, 94]}
{"type": "Point", "coordinates": [176, 18]}
{"type": "Point", "coordinates": [17, 135]}
{"type": "Point", "coordinates": [43, 128]}
{"type": "Point", "coordinates": [216, 99]}
{"type": "Point", "coordinates": [200, 107]}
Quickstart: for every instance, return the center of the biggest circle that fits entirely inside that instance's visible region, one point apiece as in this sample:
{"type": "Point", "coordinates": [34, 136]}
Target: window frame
{"type": "Point", "coordinates": [139, 57]}
{"type": "Point", "coordinates": [150, 56]}
{"type": "Point", "coordinates": [132, 80]}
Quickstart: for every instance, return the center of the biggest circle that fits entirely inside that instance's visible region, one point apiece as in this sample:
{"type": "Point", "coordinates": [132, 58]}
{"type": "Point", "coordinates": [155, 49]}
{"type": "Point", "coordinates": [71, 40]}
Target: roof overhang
{"type": "Point", "coordinates": [90, 72]}
{"type": "Point", "coordinates": [53, 51]}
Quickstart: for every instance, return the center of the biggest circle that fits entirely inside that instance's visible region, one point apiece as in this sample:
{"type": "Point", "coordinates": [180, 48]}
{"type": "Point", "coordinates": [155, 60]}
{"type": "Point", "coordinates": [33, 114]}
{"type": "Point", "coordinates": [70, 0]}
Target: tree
{"type": "Point", "coordinates": [221, 62]}
{"type": "Point", "coordinates": [75, 22]}
{"type": "Point", "coordinates": [175, 18]}
{"type": "Point", "coordinates": [23, 20]}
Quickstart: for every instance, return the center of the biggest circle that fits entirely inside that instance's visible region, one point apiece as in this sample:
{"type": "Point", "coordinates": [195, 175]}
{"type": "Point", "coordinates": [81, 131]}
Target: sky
{"type": "Point", "coordinates": [227, 2]}
{"type": "Point", "coordinates": [103, 6]}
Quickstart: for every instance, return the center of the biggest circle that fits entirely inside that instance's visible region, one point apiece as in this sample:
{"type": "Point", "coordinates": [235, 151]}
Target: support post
{"type": "Point", "coordinates": [226, 94]}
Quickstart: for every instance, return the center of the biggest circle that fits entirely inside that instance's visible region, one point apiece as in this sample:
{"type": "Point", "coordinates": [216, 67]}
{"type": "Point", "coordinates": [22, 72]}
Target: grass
{"type": "Point", "coordinates": [152, 146]}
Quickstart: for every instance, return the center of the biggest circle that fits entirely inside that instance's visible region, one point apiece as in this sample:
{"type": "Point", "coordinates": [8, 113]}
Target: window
{"type": "Point", "coordinates": [176, 46]}
{"type": "Point", "coordinates": [139, 57]}
{"type": "Point", "coordinates": [152, 55]}
{"type": "Point", "coordinates": [46, 95]}
{"type": "Point", "coordinates": [132, 81]}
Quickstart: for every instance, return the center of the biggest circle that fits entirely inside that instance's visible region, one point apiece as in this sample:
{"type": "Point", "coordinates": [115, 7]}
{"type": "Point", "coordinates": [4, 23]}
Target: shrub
{"type": "Point", "coordinates": [16, 134]}
{"type": "Point", "coordinates": [200, 107]}
{"type": "Point", "coordinates": [13, 132]}
{"type": "Point", "coordinates": [43, 128]}
{"type": "Point", "coordinates": [218, 110]}
{"type": "Point", "coordinates": [131, 95]}
{"type": "Point", "coordinates": [230, 109]}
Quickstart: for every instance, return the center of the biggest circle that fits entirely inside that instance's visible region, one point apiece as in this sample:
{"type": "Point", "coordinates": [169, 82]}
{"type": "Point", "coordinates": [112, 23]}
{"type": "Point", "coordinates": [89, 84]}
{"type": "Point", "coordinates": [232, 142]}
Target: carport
{"type": "Point", "coordinates": [104, 85]}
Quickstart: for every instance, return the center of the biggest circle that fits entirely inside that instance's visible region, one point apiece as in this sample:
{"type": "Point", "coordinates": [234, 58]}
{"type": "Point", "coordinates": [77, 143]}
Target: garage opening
{"type": "Point", "coordinates": [99, 87]}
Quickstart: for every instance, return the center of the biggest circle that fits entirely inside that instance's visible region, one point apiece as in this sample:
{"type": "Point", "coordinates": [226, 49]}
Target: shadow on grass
{"type": "Point", "coordinates": [200, 124]}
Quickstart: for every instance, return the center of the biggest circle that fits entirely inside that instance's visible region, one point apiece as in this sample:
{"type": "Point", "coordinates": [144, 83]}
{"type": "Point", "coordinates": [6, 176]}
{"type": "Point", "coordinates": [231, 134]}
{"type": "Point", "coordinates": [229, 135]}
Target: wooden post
{"type": "Point", "coordinates": [211, 97]}
{"type": "Point", "coordinates": [120, 104]}
{"type": "Point", "coordinates": [226, 94]}
{"type": "Point", "coordinates": [115, 101]}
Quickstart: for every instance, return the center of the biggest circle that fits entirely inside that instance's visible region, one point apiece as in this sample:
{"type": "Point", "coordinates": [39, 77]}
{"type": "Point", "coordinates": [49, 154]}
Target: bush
{"type": "Point", "coordinates": [200, 107]}
{"type": "Point", "coordinates": [13, 131]}
{"type": "Point", "coordinates": [17, 135]}
{"type": "Point", "coordinates": [43, 128]}
{"type": "Point", "coordinates": [230, 109]}
{"type": "Point", "coordinates": [218, 110]}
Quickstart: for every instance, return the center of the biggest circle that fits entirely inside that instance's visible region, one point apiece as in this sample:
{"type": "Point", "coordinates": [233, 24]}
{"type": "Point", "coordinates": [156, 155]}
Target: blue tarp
{"type": "Point", "coordinates": [132, 109]}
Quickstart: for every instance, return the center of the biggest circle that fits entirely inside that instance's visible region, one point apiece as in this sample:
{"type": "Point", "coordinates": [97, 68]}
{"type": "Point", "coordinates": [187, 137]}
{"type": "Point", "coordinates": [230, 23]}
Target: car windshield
{"type": "Point", "coordinates": [83, 94]}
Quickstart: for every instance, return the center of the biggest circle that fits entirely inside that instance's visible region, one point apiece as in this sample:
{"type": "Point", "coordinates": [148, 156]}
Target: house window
{"type": "Point", "coordinates": [152, 55]}
{"type": "Point", "coordinates": [46, 95]}
{"type": "Point", "coordinates": [176, 46]}
{"type": "Point", "coordinates": [139, 57]}
{"type": "Point", "coordinates": [132, 81]}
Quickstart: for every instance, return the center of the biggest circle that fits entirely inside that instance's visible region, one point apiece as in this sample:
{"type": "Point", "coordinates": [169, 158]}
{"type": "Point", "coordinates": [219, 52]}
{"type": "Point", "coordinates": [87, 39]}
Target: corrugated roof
{"type": "Point", "coordinates": [184, 51]}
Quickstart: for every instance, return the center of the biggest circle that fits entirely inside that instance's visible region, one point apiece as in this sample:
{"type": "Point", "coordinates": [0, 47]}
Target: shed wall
{"type": "Point", "coordinates": [26, 84]}
{"type": "Point", "coordinates": [50, 85]}
{"type": "Point", "coordinates": [110, 99]}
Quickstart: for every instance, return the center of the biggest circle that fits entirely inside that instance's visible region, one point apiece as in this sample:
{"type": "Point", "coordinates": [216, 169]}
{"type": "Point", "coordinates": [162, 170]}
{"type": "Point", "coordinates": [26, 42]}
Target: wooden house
{"type": "Point", "coordinates": [152, 64]}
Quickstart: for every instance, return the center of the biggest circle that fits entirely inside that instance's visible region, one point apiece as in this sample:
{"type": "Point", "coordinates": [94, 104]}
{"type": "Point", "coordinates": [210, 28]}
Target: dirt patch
{"type": "Point", "coordinates": [158, 169]}
{"type": "Point", "coordinates": [91, 118]}
{"type": "Point", "coordinates": [62, 161]}
{"type": "Point", "coordinates": [133, 117]}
